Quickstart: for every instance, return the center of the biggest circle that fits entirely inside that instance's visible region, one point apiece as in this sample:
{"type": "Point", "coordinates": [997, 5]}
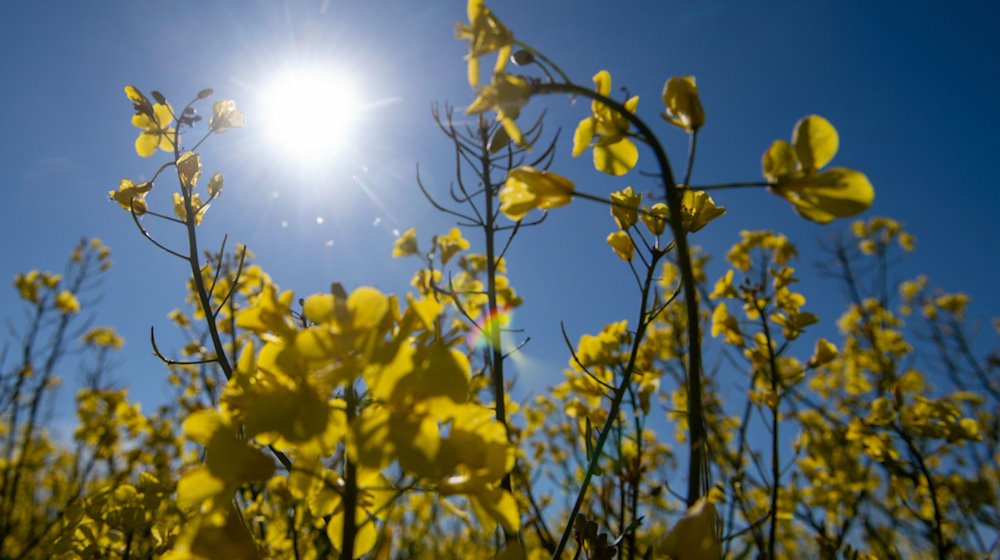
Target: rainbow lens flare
{"type": "Point", "coordinates": [489, 327]}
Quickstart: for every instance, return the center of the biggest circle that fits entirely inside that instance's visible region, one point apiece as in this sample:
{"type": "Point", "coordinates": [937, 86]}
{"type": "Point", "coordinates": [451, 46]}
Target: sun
{"type": "Point", "coordinates": [310, 114]}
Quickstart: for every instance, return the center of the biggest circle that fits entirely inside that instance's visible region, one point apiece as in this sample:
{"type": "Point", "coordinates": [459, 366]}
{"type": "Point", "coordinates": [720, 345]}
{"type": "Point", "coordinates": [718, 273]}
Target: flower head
{"type": "Point", "coordinates": [794, 172]}
{"type": "Point", "coordinates": [607, 131]}
{"type": "Point", "coordinates": [625, 207]}
{"type": "Point", "coordinates": [225, 116]}
{"type": "Point", "coordinates": [505, 95]}
{"type": "Point", "coordinates": [154, 120]}
{"type": "Point", "coordinates": [527, 188]}
{"type": "Point", "coordinates": [130, 196]}
{"type": "Point", "coordinates": [485, 34]}
{"type": "Point", "coordinates": [683, 107]}
{"type": "Point", "coordinates": [622, 245]}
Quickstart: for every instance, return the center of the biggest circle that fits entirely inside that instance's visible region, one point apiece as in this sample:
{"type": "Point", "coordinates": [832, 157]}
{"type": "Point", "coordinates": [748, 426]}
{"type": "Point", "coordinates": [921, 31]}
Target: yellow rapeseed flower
{"type": "Point", "coordinates": [794, 173]}
{"type": "Point", "coordinates": [154, 120]}
{"type": "Point", "coordinates": [486, 34]}
{"type": "Point", "coordinates": [527, 188]}
{"type": "Point", "coordinates": [683, 106]}
{"type": "Point", "coordinates": [607, 131]}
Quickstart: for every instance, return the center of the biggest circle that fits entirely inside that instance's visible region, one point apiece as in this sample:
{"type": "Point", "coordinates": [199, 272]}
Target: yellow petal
{"type": "Point", "coordinates": [655, 218]}
{"type": "Point", "coordinates": [364, 539]}
{"type": "Point", "coordinates": [417, 443]}
{"type": "Point", "coordinates": [602, 82]}
{"type": "Point", "coordinates": [406, 244]}
{"type": "Point", "coordinates": [625, 206]}
{"type": "Point", "coordinates": [779, 160]}
{"type": "Point", "coordinates": [500, 505]}
{"type": "Point", "coordinates": [694, 537]}
{"type": "Point", "coordinates": [622, 245]}
{"type": "Point", "coordinates": [368, 307]}
{"type": "Point", "coordinates": [166, 140]}
{"type": "Point", "coordinates": [215, 185]}
{"type": "Point", "coordinates": [201, 425]}
{"type": "Point", "coordinates": [196, 486]}
{"type": "Point", "coordinates": [298, 415]}
{"type": "Point", "coordinates": [473, 71]}
{"type": "Point", "coordinates": [189, 169]}
{"type": "Point", "coordinates": [146, 144]}
{"type": "Point", "coordinates": [163, 114]}
{"type": "Point", "coordinates": [683, 106]}
{"type": "Point", "coordinates": [318, 308]}
{"type": "Point", "coordinates": [368, 442]}
{"type": "Point", "coordinates": [527, 188]}
{"type": "Point", "coordinates": [583, 136]}
{"type": "Point", "coordinates": [616, 159]}
{"type": "Point", "coordinates": [699, 210]}
{"type": "Point", "coordinates": [835, 193]}
{"type": "Point", "coordinates": [815, 142]}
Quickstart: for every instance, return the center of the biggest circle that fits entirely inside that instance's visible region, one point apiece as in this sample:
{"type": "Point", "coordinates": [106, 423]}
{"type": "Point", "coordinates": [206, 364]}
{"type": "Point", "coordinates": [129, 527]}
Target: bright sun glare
{"type": "Point", "coordinates": [310, 114]}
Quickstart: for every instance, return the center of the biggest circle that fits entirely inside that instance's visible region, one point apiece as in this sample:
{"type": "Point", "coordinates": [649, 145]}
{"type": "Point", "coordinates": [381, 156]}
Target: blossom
{"type": "Point", "coordinates": [406, 244]}
{"type": "Point", "coordinates": [181, 211]}
{"type": "Point", "coordinates": [225, 116]}
{"type": "Point", "coordinates": [505, 95]}
{"type": "Point", "coordinates": [154, 120]}
{"type": "Point", "coordinates": [189, 169]}
{"type": "Point", "coordinates": [485, 34]}
{"type": "Point", "coordinates": [527, 188]}
{"type": "Point", "coordinates": [625, 207]}
{"type": "Point", "coordinates": [66, 302]}
{"type": "Point", "coordinates": [655, 218]}
{"type": "Point", "coordinates": [130, 196]}
{"type": "Point", "coordinates": [607, 131]}
{"type": "Point", "coordinates": [451, 244]}
{"type": "Point", "coordinates": [794, 173]}
{"type": "Point", "coordinates": [697, 209]}
{"type": "Point", "coordinates": [622, 245]}
{"type": "Point", "coordinates": [683, 107]}
{"type": "Point", "coordinates": [103, 337]}
{"type": "Point", "coordinates": [215, 185]}
{"type": "Point", "coordinates": [694, 536]}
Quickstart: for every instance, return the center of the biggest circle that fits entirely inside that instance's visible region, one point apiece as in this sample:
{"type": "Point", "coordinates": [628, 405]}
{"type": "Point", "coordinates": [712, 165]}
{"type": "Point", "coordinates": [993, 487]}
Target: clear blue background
{"type": "Point", "coordinates": [911, 86]}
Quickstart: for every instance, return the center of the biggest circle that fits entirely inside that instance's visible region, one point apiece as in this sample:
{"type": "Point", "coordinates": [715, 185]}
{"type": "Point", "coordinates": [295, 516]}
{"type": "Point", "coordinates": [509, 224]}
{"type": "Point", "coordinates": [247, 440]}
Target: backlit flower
{"type": "Point", "coordinates": [607, 131]}
{"type": "Point", "coordinates": [527, 188]}
{"type": "Point", "coordinates": [794, 172]}
{"type": "Point", "coordinates": [154, 120]}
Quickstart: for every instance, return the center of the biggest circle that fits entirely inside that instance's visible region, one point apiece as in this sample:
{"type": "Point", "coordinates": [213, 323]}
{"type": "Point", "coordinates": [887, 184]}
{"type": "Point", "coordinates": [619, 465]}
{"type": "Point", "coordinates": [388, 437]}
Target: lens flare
{"type": "Point", "coordinates": [488, 327]}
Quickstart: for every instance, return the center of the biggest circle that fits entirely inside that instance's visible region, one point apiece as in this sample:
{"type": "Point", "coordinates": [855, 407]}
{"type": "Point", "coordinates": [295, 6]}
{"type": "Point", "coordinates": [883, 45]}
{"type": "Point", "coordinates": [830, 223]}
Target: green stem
{"type": "Point", "coordinates": [616, 402]}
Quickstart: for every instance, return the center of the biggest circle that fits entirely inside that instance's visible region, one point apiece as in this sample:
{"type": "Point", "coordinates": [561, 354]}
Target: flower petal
{"type": "Point", "coordinates": [779, 160]}
{"type": "Point", "coordinates": [835, 193]}
{"type": "Point", "coordinates": [815, 141]}
{"type": "Point", "coordinates": [145, 144]}
{"type": "Point", "coordinates": [616, 159]}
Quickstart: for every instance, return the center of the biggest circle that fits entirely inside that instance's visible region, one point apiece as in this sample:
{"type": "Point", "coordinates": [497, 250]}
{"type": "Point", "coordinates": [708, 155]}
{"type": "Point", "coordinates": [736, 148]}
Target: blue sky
{"type": "Point", "coordinates": [911, 87]}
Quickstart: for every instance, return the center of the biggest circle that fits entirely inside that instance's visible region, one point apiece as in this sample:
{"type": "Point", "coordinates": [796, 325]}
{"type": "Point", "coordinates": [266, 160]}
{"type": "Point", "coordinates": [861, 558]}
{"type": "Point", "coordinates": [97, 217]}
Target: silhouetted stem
{"type": "Point", "coordinates": [616, 402]}
{"type": "Point", "coordinates": [673, 196]}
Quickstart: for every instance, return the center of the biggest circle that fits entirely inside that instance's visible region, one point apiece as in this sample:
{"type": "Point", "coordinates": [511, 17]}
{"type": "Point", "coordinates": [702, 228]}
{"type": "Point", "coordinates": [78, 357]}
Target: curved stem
{"type": "Point", "coordinates": [673, 195]}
